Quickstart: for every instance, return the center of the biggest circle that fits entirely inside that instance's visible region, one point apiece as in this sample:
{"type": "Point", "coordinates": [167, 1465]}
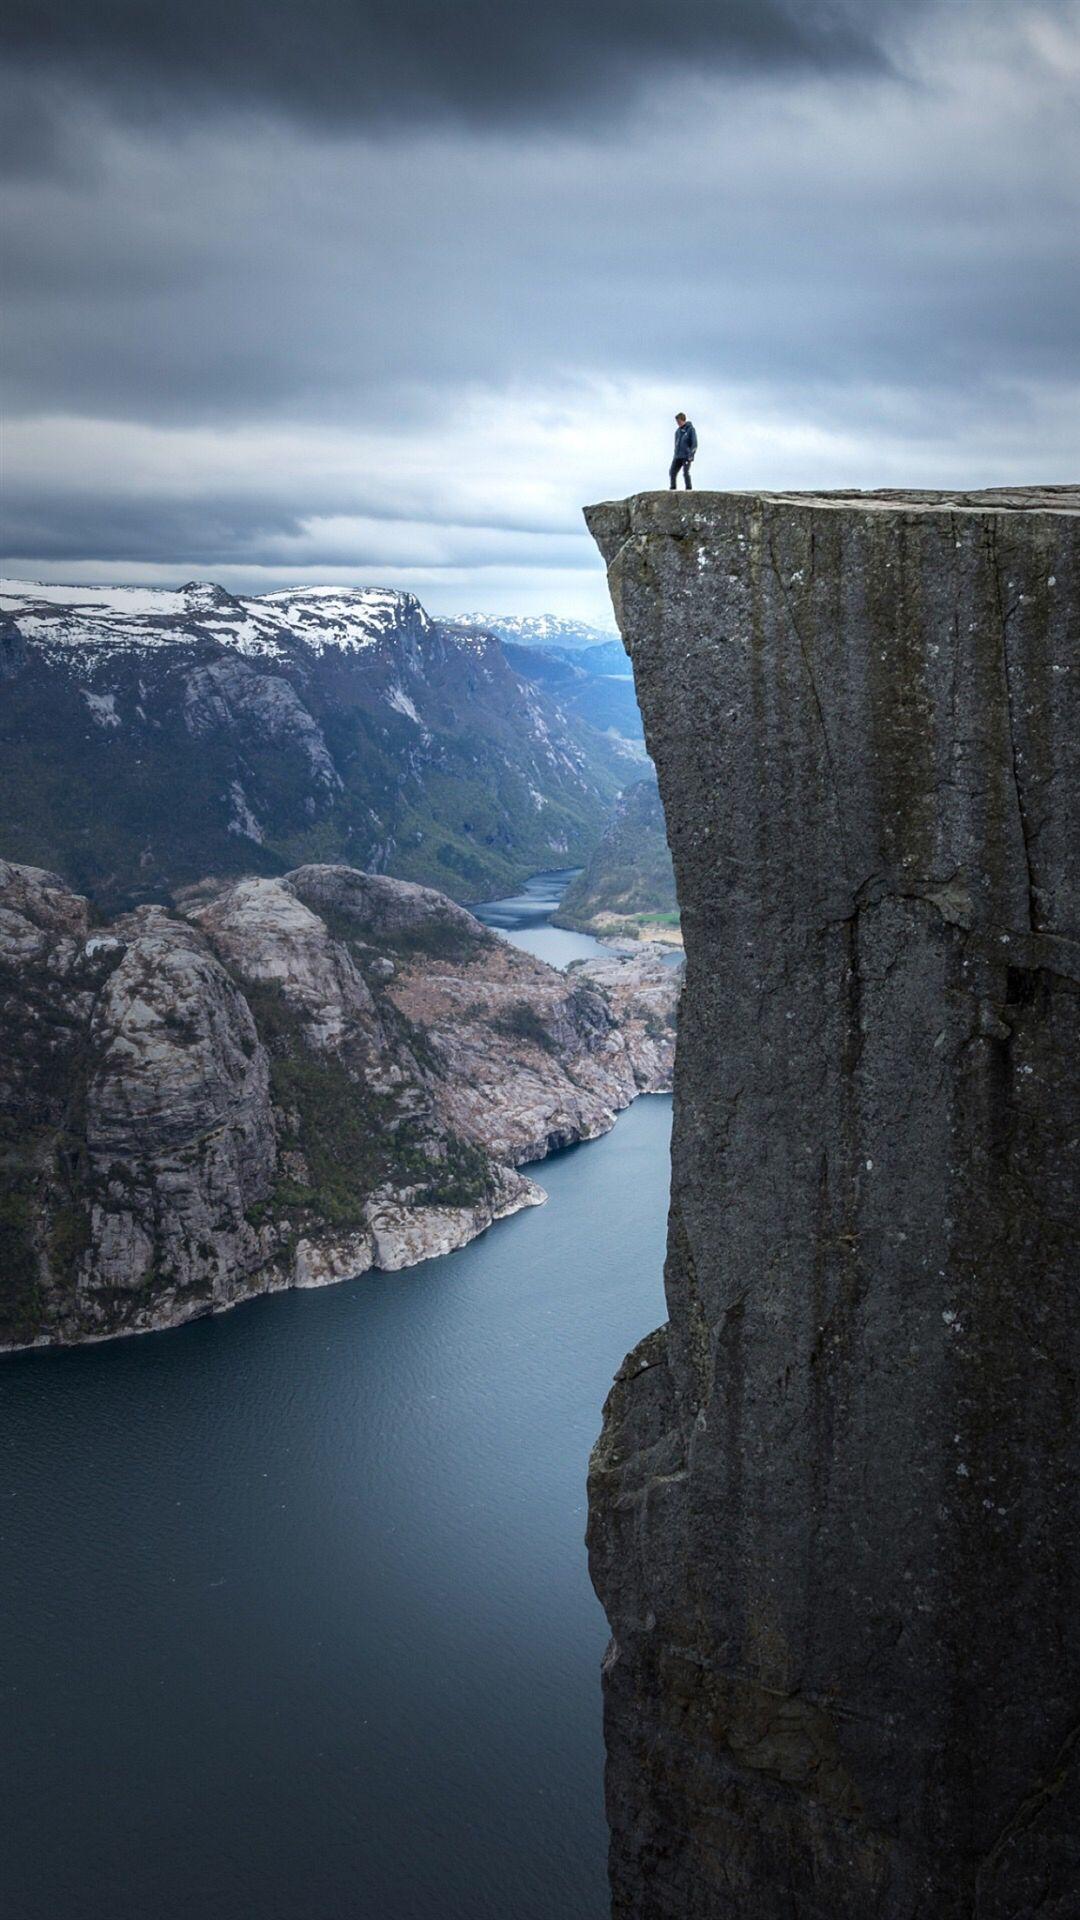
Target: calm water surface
{"type": "Point", "coordinates": [524, 920]}
{"type": "Point", "coordinates": [297, 1619]}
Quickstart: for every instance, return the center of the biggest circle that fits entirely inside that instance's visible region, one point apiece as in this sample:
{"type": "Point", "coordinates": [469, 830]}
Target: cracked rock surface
{"type": "Point", "coordinates": [281, 1082]}
{"type": "Point", "coordinates": [835, 1505]}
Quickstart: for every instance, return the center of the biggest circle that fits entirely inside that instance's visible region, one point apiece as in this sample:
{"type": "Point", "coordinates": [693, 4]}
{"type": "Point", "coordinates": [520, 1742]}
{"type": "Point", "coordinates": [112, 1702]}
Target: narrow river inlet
{"type": "Point", "coordinates": [297, 1621]}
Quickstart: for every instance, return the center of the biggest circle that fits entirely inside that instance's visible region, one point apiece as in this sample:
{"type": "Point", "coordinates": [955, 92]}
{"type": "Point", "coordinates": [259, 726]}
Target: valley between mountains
{"type": "Point", "coordinates": [149, 737]}
{"type": "Point", "coordinates": [242, 1047]}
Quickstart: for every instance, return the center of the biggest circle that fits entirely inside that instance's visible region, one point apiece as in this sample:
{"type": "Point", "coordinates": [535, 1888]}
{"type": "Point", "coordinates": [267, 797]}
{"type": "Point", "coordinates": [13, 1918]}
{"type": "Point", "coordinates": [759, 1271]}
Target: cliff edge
{"type": "Point", "coordinates": [834, 1514]}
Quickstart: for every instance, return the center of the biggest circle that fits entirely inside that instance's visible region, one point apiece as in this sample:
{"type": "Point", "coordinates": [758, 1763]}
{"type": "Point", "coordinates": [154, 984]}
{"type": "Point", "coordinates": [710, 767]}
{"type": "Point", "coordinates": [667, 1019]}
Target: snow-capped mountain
{"type": "Point", "coordinates": [151, 736]}
{"type": "Point", "coordinates": [93, 619]}
{"type": "Point", "coordinates": [536, 629]}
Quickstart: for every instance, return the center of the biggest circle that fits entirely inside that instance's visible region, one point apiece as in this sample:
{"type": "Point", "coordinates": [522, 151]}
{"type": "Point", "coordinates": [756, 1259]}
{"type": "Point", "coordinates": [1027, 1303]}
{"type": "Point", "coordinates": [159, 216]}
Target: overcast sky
{"type": "Point", "coordinates": [330, 291]}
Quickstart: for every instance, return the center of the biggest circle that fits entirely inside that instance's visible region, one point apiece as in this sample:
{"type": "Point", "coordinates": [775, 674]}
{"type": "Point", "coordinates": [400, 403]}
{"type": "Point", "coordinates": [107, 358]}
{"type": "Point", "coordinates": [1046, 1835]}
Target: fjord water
{"type": "Point", "coordinates": [297, 1618]}
{"type": "Point", "coordinates": [525, 919]}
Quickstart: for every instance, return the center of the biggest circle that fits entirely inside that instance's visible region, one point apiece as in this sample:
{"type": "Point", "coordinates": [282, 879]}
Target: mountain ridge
{"type": "Point", "coordinates": [537, 629]}
{"type": "Point", "coordinates": [150, 736]}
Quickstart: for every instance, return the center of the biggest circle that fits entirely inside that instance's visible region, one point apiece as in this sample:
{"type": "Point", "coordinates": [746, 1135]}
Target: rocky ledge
{"type": "Point", "coordinates": [280, 1082]}
{"type": "Point", "coordinates": [835, 1507]}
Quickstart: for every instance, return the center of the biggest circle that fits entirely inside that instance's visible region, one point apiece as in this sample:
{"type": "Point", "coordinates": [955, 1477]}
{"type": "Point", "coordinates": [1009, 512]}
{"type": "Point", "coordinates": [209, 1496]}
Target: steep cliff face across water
{"type": "Point", "coordinates": [281, 1082]}
{"type": "Point", "coordinates": [834, 1509]}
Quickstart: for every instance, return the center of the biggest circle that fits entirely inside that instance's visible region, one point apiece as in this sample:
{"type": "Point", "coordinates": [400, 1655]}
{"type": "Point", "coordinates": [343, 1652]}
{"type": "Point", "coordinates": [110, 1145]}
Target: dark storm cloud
{"type": "Point", "coordinates": [349, 63]}
{"type": "Point", "coordinates": [213, 530]}
{"type": "Point", "coordinates": [234, 343]}
{"type": "Point", "coordinates": [247, 279]}
{"type": "Point", "coordinates": [235, 528]}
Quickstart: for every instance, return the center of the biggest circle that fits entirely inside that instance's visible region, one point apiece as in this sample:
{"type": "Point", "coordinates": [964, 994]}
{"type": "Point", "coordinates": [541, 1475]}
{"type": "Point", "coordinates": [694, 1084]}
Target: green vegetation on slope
{"type": "Point", "coordinates": [138, 773]}
{"type": "Point", "coordinates": [345, 1140]}
{"type": "Point", "coordinates": [629, 877]}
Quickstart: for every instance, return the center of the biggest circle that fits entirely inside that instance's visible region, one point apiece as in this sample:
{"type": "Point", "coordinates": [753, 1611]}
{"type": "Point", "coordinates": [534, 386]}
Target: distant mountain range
{"type": "Point", "coordinates": [149, 737]}
{"type": "Point", "coordinates": [586, 670]}
{"type": "Point", "coordinates": [585, 683]}
{"type": "Point", "coordinates": [536, 630]}
{"type": "Point", "coordinates": [608, 658]}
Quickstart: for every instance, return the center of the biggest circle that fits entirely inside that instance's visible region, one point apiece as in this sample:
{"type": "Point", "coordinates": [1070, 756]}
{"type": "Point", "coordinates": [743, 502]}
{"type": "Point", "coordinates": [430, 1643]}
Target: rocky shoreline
{"type": "Point", "coordinates": [282, 1083]}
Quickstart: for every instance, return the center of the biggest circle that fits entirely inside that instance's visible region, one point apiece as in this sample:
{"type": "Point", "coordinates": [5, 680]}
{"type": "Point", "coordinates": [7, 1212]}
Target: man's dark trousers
{"type": "Point", "coordinates": [673, 472]}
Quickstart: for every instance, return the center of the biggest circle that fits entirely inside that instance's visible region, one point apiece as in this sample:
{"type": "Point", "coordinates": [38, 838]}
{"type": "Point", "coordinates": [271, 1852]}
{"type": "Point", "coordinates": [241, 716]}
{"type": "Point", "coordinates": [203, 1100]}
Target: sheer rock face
{"type": "Point", "coordinates": [834, 1512]}
{"type": "Point", "coordinates": [279, 1083]}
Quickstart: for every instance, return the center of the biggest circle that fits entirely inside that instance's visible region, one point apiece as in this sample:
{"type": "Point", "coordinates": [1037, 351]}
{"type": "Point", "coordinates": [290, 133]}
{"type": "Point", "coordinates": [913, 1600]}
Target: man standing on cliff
{"type": "Point", "coordinates": [685, 449]}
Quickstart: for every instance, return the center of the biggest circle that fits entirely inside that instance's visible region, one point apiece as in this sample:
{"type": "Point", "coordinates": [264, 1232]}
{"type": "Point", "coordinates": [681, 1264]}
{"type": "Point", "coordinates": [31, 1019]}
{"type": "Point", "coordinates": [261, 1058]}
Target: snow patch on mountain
{"type": "Point", "coordinates": [398, 699]}
{"type": "Point", "coordinates": [243, 821]}
{"type": "Point", "coordinates": [97, 621]}
{"type": "Point", "coordinates": [103, 708]}
{"type": "Point", "coordinates": [127, 602]}
{"type": "Point", "coordinates": [351, 619]}
{"type": "Point", "coordinates": [104, 619]}
{"type": "Point", "coordinates": [536, 630]}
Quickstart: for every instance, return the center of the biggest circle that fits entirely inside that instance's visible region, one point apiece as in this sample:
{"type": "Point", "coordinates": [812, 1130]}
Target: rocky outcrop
{"type": "Point", "coordinates": [279, 1082]}
{"type": "Point", "coordinates": [834, 1514]}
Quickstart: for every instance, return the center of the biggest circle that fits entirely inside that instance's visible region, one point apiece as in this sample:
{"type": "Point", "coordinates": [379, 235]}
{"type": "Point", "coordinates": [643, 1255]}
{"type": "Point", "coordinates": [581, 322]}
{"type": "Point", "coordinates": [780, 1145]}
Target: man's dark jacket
{"type": "Point", "coordinates": [685, 441]}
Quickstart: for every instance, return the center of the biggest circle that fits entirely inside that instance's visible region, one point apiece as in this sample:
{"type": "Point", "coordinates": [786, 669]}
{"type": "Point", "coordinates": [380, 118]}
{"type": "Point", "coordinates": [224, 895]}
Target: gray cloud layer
{"type": "Point", "coordinates": [238, 343]}
{"type": "Point", "coordinates": [349, 63]}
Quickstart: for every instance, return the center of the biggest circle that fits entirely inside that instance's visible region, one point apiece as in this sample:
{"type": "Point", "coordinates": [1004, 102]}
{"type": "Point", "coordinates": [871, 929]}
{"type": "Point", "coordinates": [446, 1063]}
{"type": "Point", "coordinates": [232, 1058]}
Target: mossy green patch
{"type": "Point", "coordinates": [629, 876]}
{"type": "Point", "coordinates": [521, 1021]}
{"type": "Point", "coordinates": [353, 1139]}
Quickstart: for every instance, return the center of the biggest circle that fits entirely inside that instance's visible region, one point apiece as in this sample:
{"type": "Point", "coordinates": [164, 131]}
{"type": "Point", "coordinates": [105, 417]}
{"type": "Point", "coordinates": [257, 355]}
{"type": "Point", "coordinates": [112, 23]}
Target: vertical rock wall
{"type": "Point", "coordinates": [835, 1512]}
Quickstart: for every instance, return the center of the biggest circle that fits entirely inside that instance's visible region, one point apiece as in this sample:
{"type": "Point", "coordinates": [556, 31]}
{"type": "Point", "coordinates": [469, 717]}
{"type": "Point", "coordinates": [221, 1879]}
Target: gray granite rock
{"type": "Point", "coordinates": [834, 1513]}
{"type": "Point", "coordinates": [279, 1083]}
